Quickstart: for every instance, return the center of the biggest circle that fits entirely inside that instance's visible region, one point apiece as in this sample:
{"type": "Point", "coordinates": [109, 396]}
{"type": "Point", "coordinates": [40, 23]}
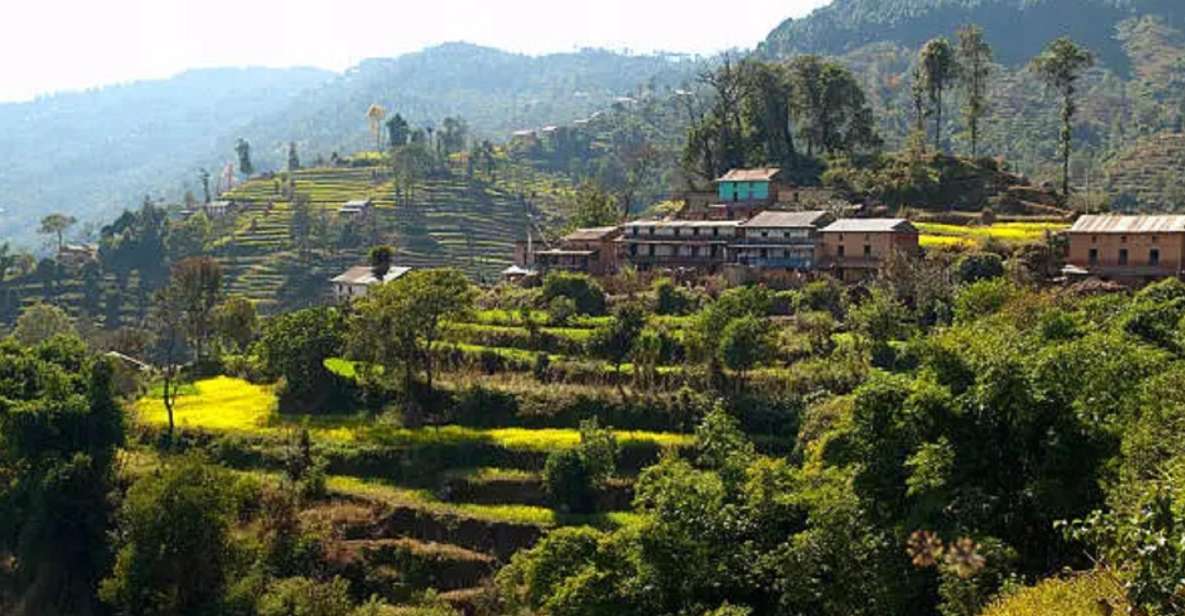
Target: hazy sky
{"type": "Point", "coordinates": [50, 45]}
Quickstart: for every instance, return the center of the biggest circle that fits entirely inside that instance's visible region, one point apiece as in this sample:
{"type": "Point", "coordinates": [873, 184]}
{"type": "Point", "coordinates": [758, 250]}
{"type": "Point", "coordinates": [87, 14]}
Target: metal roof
{"type": "Point", "coordinates": [766, 174]}
{"type": "Point", "coordinates": [770, 219]}
{"type": "Point", "coordinates": [1114, 223]}
{"type": "Point", "coordinates": [363, 274]}
{"type": "Point", "coordinates": [870, 225]}
{"type": "Point", "coordinates": [592, 234]}
{"type": "Point", "coordinates": [683, 223]}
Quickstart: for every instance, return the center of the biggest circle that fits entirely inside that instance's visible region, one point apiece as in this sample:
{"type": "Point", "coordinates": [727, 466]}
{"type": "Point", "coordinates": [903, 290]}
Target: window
{"type": "Point", "coordinates": [1123, 256]}
{"type": "Point", "coordinates": [1154, 256]}
{"type": "Point", "coordinates": [652, 250]}
{"type": "Point", "coordinates": [839, 251]}
{"type": "Point", "coordinates": [1094, 239]}
{"type": "Point", "coordinates": [715, 231]}
{"type": "Point", "coordinates": [1123, 239]}
{"type": "Point", "coordinates": [1094, 256]}
{"type": "Point", "coordinates": [867, 251]}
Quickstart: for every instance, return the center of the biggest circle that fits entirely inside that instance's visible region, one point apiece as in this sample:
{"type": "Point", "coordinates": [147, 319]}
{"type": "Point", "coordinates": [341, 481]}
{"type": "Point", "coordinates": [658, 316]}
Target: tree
{"type": "Point", "coordinates": [380, 260]}
{"type": "Point", "coordinates": [59, 433]}
{"type": "Point", "coordinates": [398, 131]}
{"type": "Point", "coordinates": [236, 322]}
{"type": "Point", "coordinates": [744, 342]}
{"type": "Point", "coordinates": [56, 225]}
{"type": "Point", "coordinates": [204, 178]}
{"type": "Point", "coordinates": [614, 340]}
{"type": "Point", "coordinates": [397, 324]}
{"type": "Point", "coordinates": [243, 149]}
{"type": "Point", "coordinates": [375, 114]}
{"type": "Point", "coordinates": [976, 266]}
{"type": "Point", "coordinates": [585, 292]}
{"type": "Point", "coordinates": [939, 68]}
{"type": "Point", "coordinates": [196, 285]}
{"type": "Point", "coordinates": [174, 537]}
{"type": "Point", "coordinates": [293, 157]}
{"type": "Point", "coordinates": [594, 207]}
{"type": "Point", "coordinates": [571, 477]}
{"type": "Point", "coordinates": [1060, 67]}
{"type": "Point", "coordinates": [41, 322]}
{"type": "Point", "coordinates": [453, 134]}
{"type": "Point", "coordinates": [410, 163]}
{"type": "Point", "coordinates": [300, 226]}
{"type": "Point", "coordinates": [975, 62]}
{"type": "Point", "coordinates": [294, 346]}
{"type": "Point", "coordinates": [830, 108]}
{"type": "Point", "coordinates": [191, 237]}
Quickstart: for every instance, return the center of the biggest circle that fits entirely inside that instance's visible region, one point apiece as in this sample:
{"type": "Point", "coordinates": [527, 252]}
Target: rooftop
{"type": "Point", "coordinates": [683, 223]}
{"type": "Point", "coordinates": [1115, 223]}
{"type": "Point", "coordinates": [363, 274]}
{"type": "Point", "coordinates": [772, 219]}
{"type": "Point", "coordinates": [592, 234]}
{"type": "Point", "coordinates": [870, 225]}
{"type": "Point", "coordinates": [766, 174]}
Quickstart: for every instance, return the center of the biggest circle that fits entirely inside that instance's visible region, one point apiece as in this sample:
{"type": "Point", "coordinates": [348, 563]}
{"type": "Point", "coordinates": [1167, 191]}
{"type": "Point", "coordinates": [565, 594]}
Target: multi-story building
{"type": "Point", "coordinates": [856, 248]}
{"type": "Point", "coordinates": [592, 251]}
{"type": "Point", "coordinates": [779, 240]}
{"type": "Point", "coordinates": [740, 193]}
{"type": "Point", "coordinates": [674, 244]}
{"type": "Point", "coordinates": [1126, 248]}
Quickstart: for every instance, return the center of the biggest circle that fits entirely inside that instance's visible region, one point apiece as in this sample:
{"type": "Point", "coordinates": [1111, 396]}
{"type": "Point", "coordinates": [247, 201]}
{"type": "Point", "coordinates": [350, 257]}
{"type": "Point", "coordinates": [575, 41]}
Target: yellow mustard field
{"type": "Point", "coordinates": [943, 235]}
{"type": "Point", "coordinates": [225, 404]}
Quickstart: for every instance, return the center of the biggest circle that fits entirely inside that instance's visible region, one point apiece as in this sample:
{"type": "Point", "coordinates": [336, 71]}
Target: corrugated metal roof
{"type": "Point", "coordinates": [1114, 223]}
{"type": "Point", "coordinates": [870, 225]}
{"type": "Point", "coordinates": [683, 223]}
{"type": "Point", "coordinates": [773, 219]}
{"type": "Point", "coordinates": [363, 274]}
{"type": "Point", "coordinates": [592, 234]}
{"type": "Point", "coordinates": [766, 174]}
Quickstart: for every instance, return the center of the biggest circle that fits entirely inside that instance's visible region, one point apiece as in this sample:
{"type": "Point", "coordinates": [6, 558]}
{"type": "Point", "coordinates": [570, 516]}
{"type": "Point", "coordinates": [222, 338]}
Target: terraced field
{"type": "Point", "coordinates": [449, 221]}
{"type": "Point", "coordinates": [944, 235]}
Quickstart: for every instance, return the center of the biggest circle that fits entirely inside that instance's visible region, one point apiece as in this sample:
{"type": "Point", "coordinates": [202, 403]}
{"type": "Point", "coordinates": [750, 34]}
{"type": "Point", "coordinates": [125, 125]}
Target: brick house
{"type": "Point", "coordinates": [856, 248]}
{"type": "Point", "coordinates": [592, 251]}
{"type": "Point", "coordinates": [1126, 248]}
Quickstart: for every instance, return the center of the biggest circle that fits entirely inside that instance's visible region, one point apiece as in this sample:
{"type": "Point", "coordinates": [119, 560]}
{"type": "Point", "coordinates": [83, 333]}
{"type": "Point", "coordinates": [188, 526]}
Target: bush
{"type": "Point", "coordinates": [541, 369]}
{"type": "Point", "coordinates": [671, 299]}
{"type": "Point", "coordinates": [826, 294]}
{"type": "Point", "coordinates": [561, 311]}
{"type": "Point", "coordinates": [982, 298]}
{"type": "Point", "coordinates": [585, 292]}
{"type": "Point", "coordinates": [976, 266]}
{"type": "Point", "coordinates": [572, 476]}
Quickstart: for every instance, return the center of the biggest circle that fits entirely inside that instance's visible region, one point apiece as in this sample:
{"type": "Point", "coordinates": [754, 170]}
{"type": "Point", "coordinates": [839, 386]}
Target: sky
{"type": "Point", "coordinates": [54, 45]}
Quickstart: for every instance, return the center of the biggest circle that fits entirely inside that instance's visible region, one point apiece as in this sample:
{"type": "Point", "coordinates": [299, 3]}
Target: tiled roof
{"type": "Point", "coordinates": [592, 234]}
{"type": "Point", "coordinates": [870, 225]}
{"type": "Point", "coordinates": [363, 274]}
{"type": "Point", "coordinates": [1113, 223]}
{"type": "Point", "coordinates": [771, 219]}
{"type": "Point", "coordinates": [751, 175]}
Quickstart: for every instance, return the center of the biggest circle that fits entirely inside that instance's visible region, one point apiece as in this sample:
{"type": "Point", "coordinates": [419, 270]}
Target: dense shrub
{"type": "Point", "coordinates": [587, 294]}
{"type": "Point", "coordinates": [572, 476]}
{"type": "Point", "coordinates": [671, 299]}
{"type": "Point", "coordinates": [976, 266]}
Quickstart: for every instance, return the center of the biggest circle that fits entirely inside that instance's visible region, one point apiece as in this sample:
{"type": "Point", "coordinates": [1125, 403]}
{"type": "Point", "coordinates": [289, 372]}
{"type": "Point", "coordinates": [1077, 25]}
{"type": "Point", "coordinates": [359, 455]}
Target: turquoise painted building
{"type": "Point", "coordinates": [747, 185]}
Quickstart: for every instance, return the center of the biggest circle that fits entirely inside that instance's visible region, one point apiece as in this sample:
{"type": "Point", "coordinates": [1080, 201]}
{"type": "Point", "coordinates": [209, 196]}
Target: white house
{"type": "Point", "coordinates": [356, 281]}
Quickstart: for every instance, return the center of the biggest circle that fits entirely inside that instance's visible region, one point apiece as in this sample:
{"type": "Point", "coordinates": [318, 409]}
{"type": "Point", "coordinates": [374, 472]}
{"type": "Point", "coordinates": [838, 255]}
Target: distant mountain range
{"type": "Point", "coordinates": [93, 153]}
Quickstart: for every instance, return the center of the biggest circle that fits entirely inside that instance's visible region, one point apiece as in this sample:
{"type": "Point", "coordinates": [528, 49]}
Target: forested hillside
{"type": "Point", "coordinates": [1017, 28]}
